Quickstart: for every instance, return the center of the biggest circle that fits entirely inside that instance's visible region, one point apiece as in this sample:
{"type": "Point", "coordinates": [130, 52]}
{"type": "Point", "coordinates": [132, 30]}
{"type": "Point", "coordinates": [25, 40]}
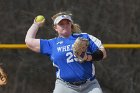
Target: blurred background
{"type": "Point", "coordinates": [112, 21]}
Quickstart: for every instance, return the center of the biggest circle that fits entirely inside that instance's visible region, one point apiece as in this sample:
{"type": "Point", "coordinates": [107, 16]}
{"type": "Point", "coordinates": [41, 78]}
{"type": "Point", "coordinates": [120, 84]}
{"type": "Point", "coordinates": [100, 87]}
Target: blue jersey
{"type": "Point", "coordinates": [60, 51]}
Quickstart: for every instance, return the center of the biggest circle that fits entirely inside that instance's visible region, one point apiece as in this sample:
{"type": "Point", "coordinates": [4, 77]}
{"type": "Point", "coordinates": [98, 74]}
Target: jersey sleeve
{"type": "Point", "coordinates": [45, 47]}
{"type": "Point", "coordinates": [95, 43]}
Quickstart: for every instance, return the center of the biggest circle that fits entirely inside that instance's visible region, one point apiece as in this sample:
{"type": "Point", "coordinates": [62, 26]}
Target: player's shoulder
{"type": "Point", "coordinates": [80, 34]}
{"type": "Point", "coordinates": [86, 35]}
{"type": "Point", "coordinates": [49, 40]}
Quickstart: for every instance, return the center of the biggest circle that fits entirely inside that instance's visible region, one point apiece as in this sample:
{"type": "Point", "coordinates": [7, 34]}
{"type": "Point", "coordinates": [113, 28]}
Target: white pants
{"type": "Point", "coordinates": [89, 87]}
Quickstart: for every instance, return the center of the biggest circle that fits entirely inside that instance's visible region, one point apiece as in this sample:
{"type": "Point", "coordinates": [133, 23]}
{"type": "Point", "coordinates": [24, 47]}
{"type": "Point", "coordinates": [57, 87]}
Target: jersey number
{"type": "Point", "coordinates": [71, 57]}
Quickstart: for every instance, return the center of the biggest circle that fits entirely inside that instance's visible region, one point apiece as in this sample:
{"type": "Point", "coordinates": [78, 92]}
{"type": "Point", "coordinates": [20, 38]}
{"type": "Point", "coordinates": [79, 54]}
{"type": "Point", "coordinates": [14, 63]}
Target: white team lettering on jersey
{"type": "Point", "coordinates": [64, 48]}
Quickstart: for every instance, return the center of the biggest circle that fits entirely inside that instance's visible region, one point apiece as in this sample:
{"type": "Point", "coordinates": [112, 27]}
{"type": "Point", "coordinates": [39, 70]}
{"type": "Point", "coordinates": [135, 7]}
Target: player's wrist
{"type": "Point", "coordinates": [35, 25]}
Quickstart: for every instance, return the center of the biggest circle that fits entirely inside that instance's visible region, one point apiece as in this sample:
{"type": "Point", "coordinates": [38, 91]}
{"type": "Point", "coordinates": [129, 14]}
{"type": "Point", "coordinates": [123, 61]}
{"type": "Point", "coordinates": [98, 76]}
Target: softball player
{"type": "Point", "coordinates": [71, 75]}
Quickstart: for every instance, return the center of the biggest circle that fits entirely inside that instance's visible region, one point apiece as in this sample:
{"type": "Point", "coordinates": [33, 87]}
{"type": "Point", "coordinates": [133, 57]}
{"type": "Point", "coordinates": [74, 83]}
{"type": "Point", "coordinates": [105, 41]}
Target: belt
{"type": "Point", "coordinates": [79, 82]}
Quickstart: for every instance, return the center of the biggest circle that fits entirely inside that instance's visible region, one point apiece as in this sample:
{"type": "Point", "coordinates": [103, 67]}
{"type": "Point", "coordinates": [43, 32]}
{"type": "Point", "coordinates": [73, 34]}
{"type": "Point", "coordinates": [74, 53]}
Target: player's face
{"type": "Point", "coordinates": [64, 28]}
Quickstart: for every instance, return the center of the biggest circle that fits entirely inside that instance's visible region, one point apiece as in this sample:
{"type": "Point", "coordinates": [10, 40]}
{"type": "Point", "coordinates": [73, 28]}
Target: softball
{"type": "Point", "coordinates": [39, 18]}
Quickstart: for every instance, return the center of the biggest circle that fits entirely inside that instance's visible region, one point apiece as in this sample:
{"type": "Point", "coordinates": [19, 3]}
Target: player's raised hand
{"type": "Point", "coordinates": [39, 20]}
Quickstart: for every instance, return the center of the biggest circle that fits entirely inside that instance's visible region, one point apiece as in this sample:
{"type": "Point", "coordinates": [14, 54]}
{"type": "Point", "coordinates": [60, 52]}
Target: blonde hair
{"type": "Point", "coordinates": [75, 27]}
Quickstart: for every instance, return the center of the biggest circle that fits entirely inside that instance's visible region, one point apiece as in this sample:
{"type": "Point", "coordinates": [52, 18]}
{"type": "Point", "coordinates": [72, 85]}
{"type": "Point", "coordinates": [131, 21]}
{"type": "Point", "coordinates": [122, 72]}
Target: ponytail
{"type": "Point", "coordinates": [76, 28]}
